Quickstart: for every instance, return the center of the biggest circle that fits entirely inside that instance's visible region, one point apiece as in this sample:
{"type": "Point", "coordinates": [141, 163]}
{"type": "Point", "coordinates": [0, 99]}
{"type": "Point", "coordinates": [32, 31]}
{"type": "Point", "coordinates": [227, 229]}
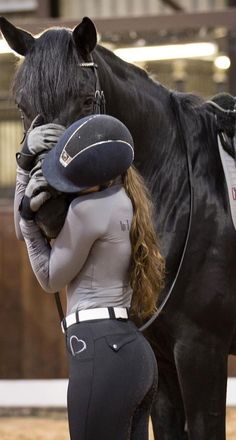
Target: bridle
{"type": "Point", "coordinates": [99, 104]}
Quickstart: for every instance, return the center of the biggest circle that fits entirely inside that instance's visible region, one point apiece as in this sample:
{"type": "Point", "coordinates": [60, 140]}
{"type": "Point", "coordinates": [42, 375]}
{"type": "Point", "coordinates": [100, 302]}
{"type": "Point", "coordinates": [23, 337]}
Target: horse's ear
{"type": "Point", "coordinates": [19, 40]}
{"type": "Point", "coordinates": [85, 36]}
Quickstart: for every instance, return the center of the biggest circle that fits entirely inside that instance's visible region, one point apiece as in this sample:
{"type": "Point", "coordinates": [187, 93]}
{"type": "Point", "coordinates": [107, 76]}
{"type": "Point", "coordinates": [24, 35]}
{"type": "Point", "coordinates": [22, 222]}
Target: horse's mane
{"type": "Point", "coordinates": [193, 114]}
{"type": "Point", "coordinates": [199, 127]}
{"type": "Point", "coordinates": [122, 67]}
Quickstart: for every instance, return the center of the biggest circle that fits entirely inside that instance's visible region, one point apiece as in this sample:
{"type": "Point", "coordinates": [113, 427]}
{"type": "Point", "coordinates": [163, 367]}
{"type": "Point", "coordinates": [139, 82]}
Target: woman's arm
{"type": "Point", "coordinates": [22, 179]}
{"type": "Point", "coordinates": [39, 139]}
{"type": "Point", "coordinates": [56, 265]}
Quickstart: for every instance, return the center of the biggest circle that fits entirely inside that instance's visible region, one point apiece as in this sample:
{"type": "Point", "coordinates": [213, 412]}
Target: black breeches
{"type": "Point", "coordinates": [112, 381]}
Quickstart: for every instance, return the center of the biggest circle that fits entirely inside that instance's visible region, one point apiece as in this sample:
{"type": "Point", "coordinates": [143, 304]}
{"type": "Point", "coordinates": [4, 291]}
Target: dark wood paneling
{"type": "Point", "coordinates": [10, 310]}
{"type": "Point", "coordinates": [31, 341]}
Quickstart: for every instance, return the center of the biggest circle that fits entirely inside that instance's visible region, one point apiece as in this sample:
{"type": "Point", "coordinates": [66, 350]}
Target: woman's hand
{"type": "Point", "coordinates": [39, 138]}
{"type": "Point", "coordinates": [36, 194]}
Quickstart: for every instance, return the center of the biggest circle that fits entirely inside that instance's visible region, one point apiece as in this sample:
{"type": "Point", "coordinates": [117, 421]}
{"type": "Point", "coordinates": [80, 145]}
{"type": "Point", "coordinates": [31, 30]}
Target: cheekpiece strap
{"type": "Point", "coordinates": [99, 105]}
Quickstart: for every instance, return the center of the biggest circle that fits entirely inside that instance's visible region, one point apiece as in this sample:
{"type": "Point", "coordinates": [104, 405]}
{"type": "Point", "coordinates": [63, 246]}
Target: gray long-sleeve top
{"type": "Point", "coordinates": [92, 253]}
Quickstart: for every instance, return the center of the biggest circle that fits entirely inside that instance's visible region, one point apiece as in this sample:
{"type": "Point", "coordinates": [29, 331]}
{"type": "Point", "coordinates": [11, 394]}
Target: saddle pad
{"type": "Point", "coordinates": [229, 166]}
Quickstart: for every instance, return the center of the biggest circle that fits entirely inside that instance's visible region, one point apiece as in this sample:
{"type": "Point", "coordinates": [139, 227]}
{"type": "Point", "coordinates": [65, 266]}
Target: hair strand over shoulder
{"type": "Point", "coordinates": [147, 266]}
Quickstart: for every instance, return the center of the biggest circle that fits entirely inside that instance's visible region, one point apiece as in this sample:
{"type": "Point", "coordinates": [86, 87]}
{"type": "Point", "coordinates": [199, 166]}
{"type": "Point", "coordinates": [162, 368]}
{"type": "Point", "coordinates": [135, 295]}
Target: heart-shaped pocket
{"type": "Point", "coordinates": [77, 345]}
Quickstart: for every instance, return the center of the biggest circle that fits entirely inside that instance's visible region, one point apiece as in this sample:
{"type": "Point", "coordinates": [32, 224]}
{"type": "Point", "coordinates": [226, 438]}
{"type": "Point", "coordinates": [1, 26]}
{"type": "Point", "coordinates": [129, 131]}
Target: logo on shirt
{"type": "Point", "coordinates": [124, 225]}
{"type": "Point", "coordinates": [234, 192]}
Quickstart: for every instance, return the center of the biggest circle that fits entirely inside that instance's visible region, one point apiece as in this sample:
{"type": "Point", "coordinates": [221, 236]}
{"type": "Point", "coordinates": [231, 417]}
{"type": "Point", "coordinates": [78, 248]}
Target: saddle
{"type": "Point", "coordinates": [224, 105]}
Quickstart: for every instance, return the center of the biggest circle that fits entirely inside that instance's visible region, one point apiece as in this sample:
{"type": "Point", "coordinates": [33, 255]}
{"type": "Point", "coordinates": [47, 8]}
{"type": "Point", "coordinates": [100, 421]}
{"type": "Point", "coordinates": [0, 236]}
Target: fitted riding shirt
{"type": "Point", "coordinates": [91, 256]}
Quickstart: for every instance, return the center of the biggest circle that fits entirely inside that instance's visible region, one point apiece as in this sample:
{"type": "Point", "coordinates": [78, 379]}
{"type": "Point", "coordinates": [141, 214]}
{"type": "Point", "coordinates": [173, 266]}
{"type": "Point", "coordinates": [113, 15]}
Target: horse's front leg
{"type": "Point", "coordinates": [202, 372]}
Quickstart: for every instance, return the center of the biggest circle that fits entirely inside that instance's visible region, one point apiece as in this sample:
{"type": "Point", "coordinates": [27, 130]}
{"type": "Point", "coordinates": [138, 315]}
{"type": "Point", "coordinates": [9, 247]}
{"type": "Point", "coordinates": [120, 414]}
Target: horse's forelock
{"type": "Point", "coordinates": [50, 76]}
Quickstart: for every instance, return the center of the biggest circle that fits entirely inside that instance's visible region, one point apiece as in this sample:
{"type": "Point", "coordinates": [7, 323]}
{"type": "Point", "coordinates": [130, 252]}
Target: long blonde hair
{"type": "Point", "coordinates": [147, 265]}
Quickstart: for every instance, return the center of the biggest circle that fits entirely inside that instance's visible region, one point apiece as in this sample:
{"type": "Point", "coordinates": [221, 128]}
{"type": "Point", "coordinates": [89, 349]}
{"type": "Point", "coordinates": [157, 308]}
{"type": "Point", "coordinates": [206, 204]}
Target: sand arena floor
{"type": "Point", "coordinates": [55, 428]}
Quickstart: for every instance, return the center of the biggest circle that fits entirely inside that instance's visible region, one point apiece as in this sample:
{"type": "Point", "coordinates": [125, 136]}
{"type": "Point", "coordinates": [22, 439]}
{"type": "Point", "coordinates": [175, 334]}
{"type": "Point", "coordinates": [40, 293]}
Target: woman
{"type": "Point", "coordinates": [107, 256]}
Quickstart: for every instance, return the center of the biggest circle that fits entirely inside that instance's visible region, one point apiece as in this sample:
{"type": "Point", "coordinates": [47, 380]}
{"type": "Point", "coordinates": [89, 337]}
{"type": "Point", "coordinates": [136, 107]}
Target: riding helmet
{"type": "Point", "coordinates": [92, 151]}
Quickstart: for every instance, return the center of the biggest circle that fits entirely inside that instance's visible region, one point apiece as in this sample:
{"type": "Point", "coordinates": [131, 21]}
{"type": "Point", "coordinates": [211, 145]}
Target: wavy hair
{"type": "Point", "coordinates": [147, 264]}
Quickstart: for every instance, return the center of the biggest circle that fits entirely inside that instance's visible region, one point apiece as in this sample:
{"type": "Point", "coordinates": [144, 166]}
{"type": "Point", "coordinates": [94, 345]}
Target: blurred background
{"type": "Point", "coordinates": [31, 343]}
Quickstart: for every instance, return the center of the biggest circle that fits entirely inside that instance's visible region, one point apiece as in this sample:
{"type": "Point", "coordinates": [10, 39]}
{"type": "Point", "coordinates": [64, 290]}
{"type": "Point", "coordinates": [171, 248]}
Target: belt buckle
{"type": "Point", "coordinates": [111, 312]}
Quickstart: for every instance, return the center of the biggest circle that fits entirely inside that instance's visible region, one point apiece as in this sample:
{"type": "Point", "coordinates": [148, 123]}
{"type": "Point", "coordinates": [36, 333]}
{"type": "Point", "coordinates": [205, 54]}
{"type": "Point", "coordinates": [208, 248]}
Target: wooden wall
{"type": "Point", "coordinates": [31, 341]}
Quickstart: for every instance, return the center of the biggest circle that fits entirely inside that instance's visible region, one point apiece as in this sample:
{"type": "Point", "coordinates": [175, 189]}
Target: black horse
{"type": "Point", "coordinates": [177, 152]}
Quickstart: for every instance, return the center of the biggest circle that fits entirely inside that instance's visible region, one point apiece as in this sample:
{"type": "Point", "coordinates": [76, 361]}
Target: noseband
{"type": "Point", "coordinates": [99, 104]}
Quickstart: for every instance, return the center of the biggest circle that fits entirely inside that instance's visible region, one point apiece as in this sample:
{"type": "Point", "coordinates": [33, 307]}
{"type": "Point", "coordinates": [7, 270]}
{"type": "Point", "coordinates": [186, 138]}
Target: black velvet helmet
{"type": "Point", "coordinates": [92, 151]}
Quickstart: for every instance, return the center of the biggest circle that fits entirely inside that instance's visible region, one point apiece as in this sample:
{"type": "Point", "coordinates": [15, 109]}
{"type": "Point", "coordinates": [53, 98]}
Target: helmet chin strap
{"type": "Point", "coordinates": [90, 190]}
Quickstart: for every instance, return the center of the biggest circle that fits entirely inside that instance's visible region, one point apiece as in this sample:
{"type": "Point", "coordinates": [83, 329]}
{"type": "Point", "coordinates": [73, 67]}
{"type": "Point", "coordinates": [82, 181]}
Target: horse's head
{"type": "Point", "coordinates": [53, 80]}
{"type": "Point", "coordinates": [49, 80]}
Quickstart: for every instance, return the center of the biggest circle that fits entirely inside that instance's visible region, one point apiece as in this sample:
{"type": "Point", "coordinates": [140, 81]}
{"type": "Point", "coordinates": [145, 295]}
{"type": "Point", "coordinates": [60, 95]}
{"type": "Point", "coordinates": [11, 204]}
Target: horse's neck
{"type": "Point", "coordinates": [132, 96]}
{"type": "Point", "coordinates": [148, 110]}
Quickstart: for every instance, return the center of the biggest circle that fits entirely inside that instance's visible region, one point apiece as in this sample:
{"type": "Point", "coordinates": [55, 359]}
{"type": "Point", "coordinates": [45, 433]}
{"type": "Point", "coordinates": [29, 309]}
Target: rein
{"type": "Point", "coordinates": [191, 191]}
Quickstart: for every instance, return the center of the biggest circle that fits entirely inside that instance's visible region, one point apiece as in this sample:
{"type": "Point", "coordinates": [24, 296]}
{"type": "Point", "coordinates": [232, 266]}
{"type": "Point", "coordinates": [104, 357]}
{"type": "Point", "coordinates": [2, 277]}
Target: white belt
{"type": "Point", "coordinates": [96, 313]}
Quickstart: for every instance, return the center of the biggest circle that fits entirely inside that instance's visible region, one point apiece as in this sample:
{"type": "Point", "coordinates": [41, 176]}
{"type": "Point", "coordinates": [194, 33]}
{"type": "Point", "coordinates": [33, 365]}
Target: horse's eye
{"type": "Point", "coordinates": [88, 101]}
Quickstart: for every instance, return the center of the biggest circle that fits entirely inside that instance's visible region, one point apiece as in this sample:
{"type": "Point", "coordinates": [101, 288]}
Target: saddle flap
{"type": "Point", "coordinates": [228, 164]}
